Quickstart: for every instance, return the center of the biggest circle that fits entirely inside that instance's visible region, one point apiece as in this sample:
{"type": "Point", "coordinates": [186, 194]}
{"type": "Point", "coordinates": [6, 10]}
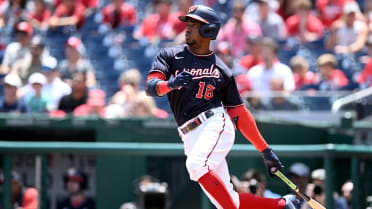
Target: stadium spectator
{"type": "Point", "coordinates": [182, 6]}
{"type": "Point", "coordinates": [179, 26]}
{"type": "Point", "coordinates": [39, 17]}
{"type": "Point", "coordinates": [330, 10]}
{"type": "Point", "coordinates": [303, 25]}
{"type": "Point", "coordinates": [78, 94]}
{"type": "Point", "coordinates": [37, 102]}
{"type": "Point", "coordinates": [253, 57]}
{"type": "Point", "coordinates": [367, 12]}
{"type": "Point", "coordinates": [299, 175]}
{"type": "Point", "coordinates": [145, 106]}
{"type": "Point", "coordinates": [22, 197]}
{"type": "Point", "coordinates": [301, 73]}
{"type": "Point", "coordinates": [254, 181]}
{"type": "Point", "coordinates": [123, 101]}
{"type": "Point", "coordinates": [330, 77]}
{"type": "Point", "coordinates": [95, 105]}
{"type": "Point", "coordinates": [55, 88]}
{"type": "Point", "coordinates": [89, 4]}
{"type": "Point", "coordinates": [75, 182]}
{"type": "Point", "coordinates": [238, 29]}
{"type": "Point", "coordinates": [315, 189]}
{"type": "Point", "coordinates": [279, 101]}
{"type": "Point", "coordinates": [129, 82]}
{"type": "Point", "coordinates": [270, 68]}
{"type": "Point", "coordinates": [119, 13]}
{"type": "Point", "coordinates": [12, 12]}
{"type": "Point", "coordinates": [18, 49]}
{"type": "Point", "coordinates": [76, 62]}
{"type": "Point", "coordinates": [272, 24]}
{"type": "Point", "coordinates": [223, 51]}
{"type": "Point", "coordinates": [10, 102]}
{"type": "Point", "coordinates": [344, 201]}
{"type": "Point", "coordinates": [365, 77]}
{"type": "Point", "coordinates": [158, 25]}
{"type": "Point", "coordinates": [150, 193]}
{"type": "Point", "coordinates": [68, 13]}
{"type": "Point", "coordinates": [31, 64]}
{"type": "Point", "coordinates": [286, 8]}
{"type": "Point", "coordinates": [348, 35]}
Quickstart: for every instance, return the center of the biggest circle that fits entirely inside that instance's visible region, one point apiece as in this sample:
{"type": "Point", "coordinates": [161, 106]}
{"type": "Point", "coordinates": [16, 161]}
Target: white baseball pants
{"type": "Point", "coordinates": [206, 148]}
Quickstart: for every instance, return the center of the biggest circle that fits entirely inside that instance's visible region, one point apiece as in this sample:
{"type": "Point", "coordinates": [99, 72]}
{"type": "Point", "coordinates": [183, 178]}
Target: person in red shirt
{"type": "Point", "coordinates": [119, 13]}
{"type": "Point", "coordinates": [22, 198]}
{"type": "Point", "coordinates": [95, 104]}
{"type": "Point", "coordinates": [330, 10]}
{"type": "Point", "coordinates": [158, 25]}
{"type": "Point", "coordinates": [301, 73]}
{"type": "Point", "coordinates": [91, 4]}
{"type": "Point", "coordinates": [183, 7]}
{"type": "Point", "coordinates": [331, 78]}
{"type": "Point", "coordinates": [303, 25]}
{"type": "Point", "coordinates": [39, 17]}
{"type": "Point", "coordinates": [254, 57]}
{"type": "Point", "coordinates": [68, 13]}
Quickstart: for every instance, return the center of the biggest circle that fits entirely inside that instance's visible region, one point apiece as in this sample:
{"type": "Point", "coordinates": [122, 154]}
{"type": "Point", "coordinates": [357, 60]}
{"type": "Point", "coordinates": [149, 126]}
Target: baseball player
{"type": "Point", "coordinates": [206, 105]}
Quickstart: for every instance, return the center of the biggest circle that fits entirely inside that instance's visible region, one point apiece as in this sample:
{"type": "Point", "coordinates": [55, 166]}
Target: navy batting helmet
{"type": "Point", "coordinates": [207, 16]}
{"type": "Point", "coordinates": [76, 175]}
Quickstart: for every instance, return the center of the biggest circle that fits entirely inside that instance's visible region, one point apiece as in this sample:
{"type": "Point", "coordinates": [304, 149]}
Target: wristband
{"type": "Point", "coordinates": [151, 87]}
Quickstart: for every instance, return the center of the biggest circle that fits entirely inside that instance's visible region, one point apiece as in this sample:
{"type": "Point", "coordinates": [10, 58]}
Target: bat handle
{"type": "Point", "coordinates": [291, 185]}
{"type": "Point", "coordinates": [285, 179]}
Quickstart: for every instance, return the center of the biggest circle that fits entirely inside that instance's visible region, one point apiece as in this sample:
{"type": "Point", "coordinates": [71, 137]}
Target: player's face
{"type": "Point", "coordinates": [73, 187]}
{"type": "Point", "coordinates": [192, 35]}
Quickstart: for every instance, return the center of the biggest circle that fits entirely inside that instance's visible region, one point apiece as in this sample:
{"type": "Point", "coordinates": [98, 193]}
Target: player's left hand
{"type": "Point", "coordinates": [271, 161]}
{"type": "Point", "coordinates": [184, 79]}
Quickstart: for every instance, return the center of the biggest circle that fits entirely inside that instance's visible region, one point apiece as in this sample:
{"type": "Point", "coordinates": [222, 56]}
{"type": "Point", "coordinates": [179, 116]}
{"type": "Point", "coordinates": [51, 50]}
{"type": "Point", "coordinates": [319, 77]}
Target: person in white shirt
{"type": "Point", "coordinates": [272, 25]}
{"type": "Point", "coordinates": [349, 34]}
{"type": "Point", "coordinates": [55, 88]}
{"type": "Point", "coordinates": [18, 49]}
{"type": "Point", "coordinates": [270, 68]}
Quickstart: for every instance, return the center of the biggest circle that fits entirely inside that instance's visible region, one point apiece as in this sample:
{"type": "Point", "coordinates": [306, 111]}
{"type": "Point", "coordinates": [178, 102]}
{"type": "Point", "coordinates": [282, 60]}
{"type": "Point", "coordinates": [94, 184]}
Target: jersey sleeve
{"type": "Point", "coordinates": [230, 94]}
{"type": "Point", "coordinates": [161, 64]}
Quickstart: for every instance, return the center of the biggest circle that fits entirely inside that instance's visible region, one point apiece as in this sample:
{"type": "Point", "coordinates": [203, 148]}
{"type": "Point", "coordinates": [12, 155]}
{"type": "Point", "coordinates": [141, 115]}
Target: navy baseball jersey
{"type": "Point", "coordinates": [213, 83]}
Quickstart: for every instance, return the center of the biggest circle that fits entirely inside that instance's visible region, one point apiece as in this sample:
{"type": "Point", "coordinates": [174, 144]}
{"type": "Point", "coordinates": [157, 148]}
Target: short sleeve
{"type": "Point", "coordinates": [7, 55]}
{"type": "Point", "coordinates": [230, 94]}
{"type": "Point", "coordinates": [161, 63]}
{"type": "Point", "coordinates": [132, 15]}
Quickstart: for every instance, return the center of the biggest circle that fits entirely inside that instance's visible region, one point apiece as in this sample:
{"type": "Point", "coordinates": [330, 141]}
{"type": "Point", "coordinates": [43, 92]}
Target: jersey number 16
{"type": "Point", "coordinates": [208, 91]}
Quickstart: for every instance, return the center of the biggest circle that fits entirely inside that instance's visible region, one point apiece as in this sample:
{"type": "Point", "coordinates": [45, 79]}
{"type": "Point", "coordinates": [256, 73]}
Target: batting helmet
{"type": "Point", "coordinates": [206, 15]}
{"type": "Point", "coordinates": [76, 175]}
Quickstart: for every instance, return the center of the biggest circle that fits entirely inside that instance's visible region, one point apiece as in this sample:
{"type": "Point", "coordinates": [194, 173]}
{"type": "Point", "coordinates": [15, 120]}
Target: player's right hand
{"type": "Point", "coordinates": [184, 79]}
{"type": "Point", "coordinates": [271, 161]}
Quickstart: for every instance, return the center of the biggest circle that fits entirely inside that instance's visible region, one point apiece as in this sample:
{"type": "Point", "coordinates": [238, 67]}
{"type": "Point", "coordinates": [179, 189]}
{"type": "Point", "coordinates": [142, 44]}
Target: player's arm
{"type": "Point", "coordinates": [244, 121]}
{"type": "Point", "coordinates": [157, 86]}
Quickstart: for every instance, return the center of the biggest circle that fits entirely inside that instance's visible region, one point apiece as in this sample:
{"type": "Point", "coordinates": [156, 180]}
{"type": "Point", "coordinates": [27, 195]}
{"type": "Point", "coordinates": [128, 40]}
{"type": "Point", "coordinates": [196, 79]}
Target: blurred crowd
{"type": "Point", "coordinates": [152, 193]}
{"type": "Point", "coordinates": [311, 183]}
{"type": "Point", "coordinates": [87, 57]}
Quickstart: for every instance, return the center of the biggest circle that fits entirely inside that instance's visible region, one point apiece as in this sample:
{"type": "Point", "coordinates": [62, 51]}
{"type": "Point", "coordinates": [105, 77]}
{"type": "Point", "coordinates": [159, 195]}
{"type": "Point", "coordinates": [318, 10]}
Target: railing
{"type": "Point", "coordinates": [327, 151]}
{"type": "Point", "coordinates": [351, 98]}
{"type": "Point", "coordinates": [305, 100]}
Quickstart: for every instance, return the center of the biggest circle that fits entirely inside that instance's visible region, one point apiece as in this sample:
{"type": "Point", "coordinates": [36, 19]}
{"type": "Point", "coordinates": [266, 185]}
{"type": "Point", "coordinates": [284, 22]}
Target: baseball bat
{"type": "Point", "coordinates": [310, 201]}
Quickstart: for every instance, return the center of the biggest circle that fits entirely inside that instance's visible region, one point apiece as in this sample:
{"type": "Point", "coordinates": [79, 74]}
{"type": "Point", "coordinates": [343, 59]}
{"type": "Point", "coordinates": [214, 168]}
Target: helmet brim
{"type": "Point", "coordinates": [196, 17]}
